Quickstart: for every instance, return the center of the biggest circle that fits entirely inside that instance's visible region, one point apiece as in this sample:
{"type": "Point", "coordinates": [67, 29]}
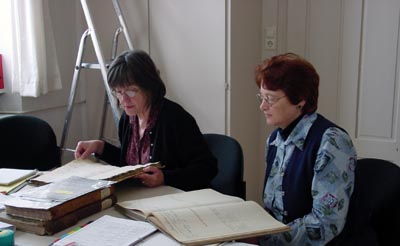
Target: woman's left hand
{"type": "Point", "coordinates": [151, 177]}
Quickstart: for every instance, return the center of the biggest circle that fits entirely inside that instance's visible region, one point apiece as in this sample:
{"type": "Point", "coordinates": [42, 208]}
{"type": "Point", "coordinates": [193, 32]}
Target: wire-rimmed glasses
{"type": "Point", "coordinates": [270, 100]}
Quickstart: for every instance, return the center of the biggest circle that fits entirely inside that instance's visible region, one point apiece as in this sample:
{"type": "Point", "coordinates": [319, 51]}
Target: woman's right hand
{"type": "Point", "coordinates": [85, 148]}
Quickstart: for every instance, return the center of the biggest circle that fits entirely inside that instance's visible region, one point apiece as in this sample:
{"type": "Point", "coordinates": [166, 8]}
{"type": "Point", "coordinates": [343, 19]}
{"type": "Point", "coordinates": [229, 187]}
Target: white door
{"type": "Point", "coordinates": [369, 84]}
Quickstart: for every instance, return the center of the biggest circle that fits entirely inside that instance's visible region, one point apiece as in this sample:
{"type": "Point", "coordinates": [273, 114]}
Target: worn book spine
{"type": "Point", "coordinates": [63, 208]}
{"type": "Point", "coordinates": [53, 226]}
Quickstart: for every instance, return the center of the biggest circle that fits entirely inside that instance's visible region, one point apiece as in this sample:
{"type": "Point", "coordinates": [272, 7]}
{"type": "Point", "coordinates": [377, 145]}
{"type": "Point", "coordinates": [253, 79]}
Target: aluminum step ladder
{"type": "Point", "coordinates": [101, 65]}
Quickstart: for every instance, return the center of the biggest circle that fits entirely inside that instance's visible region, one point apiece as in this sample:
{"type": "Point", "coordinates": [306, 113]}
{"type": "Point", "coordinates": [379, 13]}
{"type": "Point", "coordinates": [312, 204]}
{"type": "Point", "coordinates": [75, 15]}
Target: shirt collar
{"type": "Point", "coordinates": [298, 134]}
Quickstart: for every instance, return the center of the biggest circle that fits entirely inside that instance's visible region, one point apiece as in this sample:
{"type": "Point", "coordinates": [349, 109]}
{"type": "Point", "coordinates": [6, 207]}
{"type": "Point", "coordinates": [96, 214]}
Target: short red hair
{"type": "Point", "coordinates": [294, 75]}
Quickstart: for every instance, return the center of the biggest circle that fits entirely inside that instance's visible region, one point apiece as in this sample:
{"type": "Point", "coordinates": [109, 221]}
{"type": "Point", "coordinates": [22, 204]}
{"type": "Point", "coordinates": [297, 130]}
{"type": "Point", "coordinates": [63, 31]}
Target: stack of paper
{"type": "Point", "coordinates": [109, 230]}
{"type": "Point", "coordinates": [11, 179]}
{"type": "Point", "coordinates": [9, 176]}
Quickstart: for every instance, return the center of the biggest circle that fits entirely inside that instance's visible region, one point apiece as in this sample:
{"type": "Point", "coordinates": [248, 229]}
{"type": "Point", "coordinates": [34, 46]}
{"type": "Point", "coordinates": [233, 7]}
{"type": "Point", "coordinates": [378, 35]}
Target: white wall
{"type": "Point", "coordinates": [187, 42]}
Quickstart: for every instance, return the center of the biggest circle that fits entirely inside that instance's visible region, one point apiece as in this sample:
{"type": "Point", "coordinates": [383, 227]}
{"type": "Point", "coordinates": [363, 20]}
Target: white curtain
{"type": "Point", "coordinates": [35, 68]}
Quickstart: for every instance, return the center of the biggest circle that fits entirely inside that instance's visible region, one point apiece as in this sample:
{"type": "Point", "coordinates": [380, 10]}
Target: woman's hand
{"type": "Point", "coordinates": [151, 177]}
{"type": "Point", "coordinates": [85, 148]}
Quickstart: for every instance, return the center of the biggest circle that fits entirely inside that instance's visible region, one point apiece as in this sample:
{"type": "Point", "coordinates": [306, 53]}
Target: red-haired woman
{"type": "Point", "coordinates": [310, 161]}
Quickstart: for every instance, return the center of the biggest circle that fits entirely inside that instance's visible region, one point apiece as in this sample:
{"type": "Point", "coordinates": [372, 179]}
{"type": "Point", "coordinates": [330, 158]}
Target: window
{"type": "Point", "coordinates": [29, 55]}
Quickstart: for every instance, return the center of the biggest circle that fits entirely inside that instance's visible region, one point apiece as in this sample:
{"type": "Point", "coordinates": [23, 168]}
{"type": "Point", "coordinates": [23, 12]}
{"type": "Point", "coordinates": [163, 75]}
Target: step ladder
{"type": "Point", "coordinates": [101, 65]}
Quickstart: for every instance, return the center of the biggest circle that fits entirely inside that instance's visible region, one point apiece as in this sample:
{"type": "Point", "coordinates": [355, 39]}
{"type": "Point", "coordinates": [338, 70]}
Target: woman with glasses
{"type": "Point", "coordinates": [153, 128]}
{"type": "Point", "coordinates": [310, 161]}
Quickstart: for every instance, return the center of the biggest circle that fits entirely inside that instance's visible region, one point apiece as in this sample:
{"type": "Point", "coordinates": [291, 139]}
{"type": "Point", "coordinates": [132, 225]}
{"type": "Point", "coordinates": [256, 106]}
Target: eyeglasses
{"type": "Point", "coordinates": [128, 93]}
{"type": "Point", "coordinates": [270, 100]}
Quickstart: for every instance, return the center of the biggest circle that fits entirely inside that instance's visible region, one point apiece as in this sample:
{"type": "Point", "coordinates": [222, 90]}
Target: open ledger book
{"type": "Point", "coordinates": [92, 170]}
{"type": "Point", "coordinates": [203, 216]}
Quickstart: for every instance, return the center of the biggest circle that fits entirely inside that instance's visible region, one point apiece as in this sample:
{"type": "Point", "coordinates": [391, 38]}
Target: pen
{"type": "Point", "coordinates": [69, 150]}
{"type": "Point", "coordinates": [73, 151]}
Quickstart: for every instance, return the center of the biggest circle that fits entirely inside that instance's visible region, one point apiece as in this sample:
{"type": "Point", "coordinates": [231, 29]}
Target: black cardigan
{"type": "Point", "coordinates": [176, 141]}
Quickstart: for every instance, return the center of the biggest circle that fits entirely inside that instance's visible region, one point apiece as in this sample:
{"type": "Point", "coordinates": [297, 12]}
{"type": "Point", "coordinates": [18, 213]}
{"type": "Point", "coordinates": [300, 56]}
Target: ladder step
{"type": "Point", "coordinates": [92, 65]}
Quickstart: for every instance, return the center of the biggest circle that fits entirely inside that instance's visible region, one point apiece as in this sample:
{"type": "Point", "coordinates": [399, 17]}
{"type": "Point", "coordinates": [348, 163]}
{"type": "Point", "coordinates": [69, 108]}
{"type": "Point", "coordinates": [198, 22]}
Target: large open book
{"type": "Point", "coordinates": [203, 216]}
{"type": "Point", "coordinates": [92, 170]}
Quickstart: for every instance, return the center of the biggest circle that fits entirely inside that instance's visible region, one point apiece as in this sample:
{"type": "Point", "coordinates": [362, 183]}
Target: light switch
{"type": "Point", "coordinates": [270, 32]}
{"type": "Point", "coordinates": [270, 38]}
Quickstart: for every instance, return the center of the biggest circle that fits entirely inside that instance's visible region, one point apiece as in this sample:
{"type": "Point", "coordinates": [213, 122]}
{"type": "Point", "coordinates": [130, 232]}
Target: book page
{"type": "Point", "coordinates": [78, 167]}
{"type": "Point", "coordinates": [121, 171]}
{"type": "Point", "coordinates": [108, 230]}
{"type": "Point", "coordinates": [202, 197]}
{"type": "Point", "coordinates": [217, 223]}
{"type": "Point", "coordinates": [93, 170]}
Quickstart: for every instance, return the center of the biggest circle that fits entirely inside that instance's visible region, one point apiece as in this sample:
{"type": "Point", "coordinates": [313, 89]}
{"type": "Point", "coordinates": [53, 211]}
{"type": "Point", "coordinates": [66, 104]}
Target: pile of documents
{"type": "Point", "coordinates": [109, 230]}
{"type": "Point", "coordinates": [64, 196]}
{"type": "Point", "coordinates": [11, 180]}
{"type": "Point", "coordinates": [50, 208]}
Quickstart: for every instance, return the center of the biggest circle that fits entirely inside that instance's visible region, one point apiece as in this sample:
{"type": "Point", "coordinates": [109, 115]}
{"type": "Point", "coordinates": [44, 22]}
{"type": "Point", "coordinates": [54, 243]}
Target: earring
{"type": "Point", "coordinates": [299, 106]}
